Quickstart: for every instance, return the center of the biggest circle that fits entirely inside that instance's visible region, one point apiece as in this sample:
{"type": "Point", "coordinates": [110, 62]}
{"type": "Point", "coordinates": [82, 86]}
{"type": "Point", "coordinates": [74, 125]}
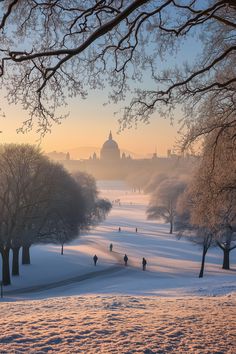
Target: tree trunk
{"type": "Point", "coordinates": [6, 279]}
{"type": "Point", "coordinates": [171, 227]}
{"type": "Point", "coordinates": [226, 258]}
{"type": "Point", "coordinates": [204, 251]}
{"type": "Point", "coordinates": [62, 248]}
{"type": "Point", "coordinates": [26, 254]}
{"type": "Point", "coordinates": [15, 260]}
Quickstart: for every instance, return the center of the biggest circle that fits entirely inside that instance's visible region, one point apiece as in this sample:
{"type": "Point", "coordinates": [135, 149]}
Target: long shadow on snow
{"type": "Point", "coordinates": [77, 279]}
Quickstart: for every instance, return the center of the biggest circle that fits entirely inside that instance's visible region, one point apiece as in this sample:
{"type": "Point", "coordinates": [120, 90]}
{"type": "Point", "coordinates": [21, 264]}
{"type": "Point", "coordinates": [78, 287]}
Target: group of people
{"type": "Point", "coordinates": [144, 261]}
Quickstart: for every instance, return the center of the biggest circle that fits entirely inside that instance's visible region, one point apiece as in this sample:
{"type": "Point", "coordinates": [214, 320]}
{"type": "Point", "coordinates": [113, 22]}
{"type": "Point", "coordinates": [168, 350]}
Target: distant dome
{"type": "Point", "coordinates": [110, 144]}
{"type": "Point", "coordinates": [110, 149]}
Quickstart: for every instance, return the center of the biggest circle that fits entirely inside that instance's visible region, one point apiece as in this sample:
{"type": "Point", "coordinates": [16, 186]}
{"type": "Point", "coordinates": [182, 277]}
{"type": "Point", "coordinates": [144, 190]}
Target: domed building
{"type": "Point", "coordinates": [110, 150]}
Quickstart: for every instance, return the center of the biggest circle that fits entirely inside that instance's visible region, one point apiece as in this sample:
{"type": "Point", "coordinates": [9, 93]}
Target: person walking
{"type": "Point", "coordinates": [119, 229]}
{"type": "Point", "coordinates": [111, 247]}
{"type": "Point", "coordinates": [126, 259]}
{"type": "Point", "coordinates": [144, 263]}
{"type": "Point", "coordinates": [136, 229]}
{"type": "Point", "coordinates": [95, 259]}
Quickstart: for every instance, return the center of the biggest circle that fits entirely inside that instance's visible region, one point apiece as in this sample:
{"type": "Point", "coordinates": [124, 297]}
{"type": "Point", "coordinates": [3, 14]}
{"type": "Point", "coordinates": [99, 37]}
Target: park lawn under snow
{"type": "Point", "coordinates": [65, 304]}
{"type": "Point", "coordinates": [119, 324]}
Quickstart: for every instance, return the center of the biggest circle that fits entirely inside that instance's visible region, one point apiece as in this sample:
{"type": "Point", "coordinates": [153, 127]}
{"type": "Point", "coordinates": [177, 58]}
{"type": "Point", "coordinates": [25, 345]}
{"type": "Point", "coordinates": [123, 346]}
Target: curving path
{"type": "Point", "coordinates": [82, 277]}
{"type": "Point", "coordinates": [64, 282]}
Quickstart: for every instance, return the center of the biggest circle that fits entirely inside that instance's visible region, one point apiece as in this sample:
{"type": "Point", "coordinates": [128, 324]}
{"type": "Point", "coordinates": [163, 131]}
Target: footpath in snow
{"type": "Point", "coordinates": [65, 304]}
{"type": "Point", "coordinates": [172, 268]}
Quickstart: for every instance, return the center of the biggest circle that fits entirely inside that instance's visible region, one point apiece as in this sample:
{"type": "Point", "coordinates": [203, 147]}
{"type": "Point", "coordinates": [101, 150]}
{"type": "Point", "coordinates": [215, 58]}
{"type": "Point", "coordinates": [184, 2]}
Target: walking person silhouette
{"type": "Point", "coordinates": [144, 263]}
{"type": "Point", "coordinates": [126, 259]}
{"type": "Point", "coordinates": [95, 259]}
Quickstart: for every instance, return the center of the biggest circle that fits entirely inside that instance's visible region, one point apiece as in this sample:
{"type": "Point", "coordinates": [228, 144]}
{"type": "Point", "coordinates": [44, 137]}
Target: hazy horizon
{"type": "Point", "coordinates": [89, 124]}
{"type": "Point", "coordinates": [84, 152]}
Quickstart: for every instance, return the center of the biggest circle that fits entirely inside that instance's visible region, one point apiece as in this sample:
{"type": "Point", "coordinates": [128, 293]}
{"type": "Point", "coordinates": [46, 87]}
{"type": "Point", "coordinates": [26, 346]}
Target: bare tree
{"type": "Point", "coordinates": [102, 208]}
{"type": "Point", "coordinates": [54, 49]}
{"type": "Point", "coordinates": [26, 191]}
{"type": "Point", "coordinates": [65, 211]}
{"type": "Point", "coordinates": [163, 201]}
{"type": "Point", "coordinates": [19, 167]}
{"type": "Point", "coordinates": [73, 207]}
{"type": "Point", "coordinates": [96, 208]}
{"type": "Point", "coordinates": [216, 115]}
{"type": "Point", "coordinates": [40, 202]}
{"type": "Point", "coordinates": [201, 236]}
{"type": "Point", "coordinates": [36, 199]}
{"type": "Point", "coordinates": [212, 190]}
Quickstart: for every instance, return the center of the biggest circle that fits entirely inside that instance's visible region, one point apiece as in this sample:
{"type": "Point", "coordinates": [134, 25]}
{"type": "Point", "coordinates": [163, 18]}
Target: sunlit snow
{"type": "Point", "coordinates": [66, 304]}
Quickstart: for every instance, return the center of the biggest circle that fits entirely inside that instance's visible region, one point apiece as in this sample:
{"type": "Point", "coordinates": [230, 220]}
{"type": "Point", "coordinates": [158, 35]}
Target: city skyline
{"type": "Point", "coordinates": [88, 125]}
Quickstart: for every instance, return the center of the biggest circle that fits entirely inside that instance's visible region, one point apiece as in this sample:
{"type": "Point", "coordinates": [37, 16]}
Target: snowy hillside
{"type": "Point", "coordinates": [119, 324]}
{"type": "Point", "coordinates": [172, 269]}
{"type": "Point", "coordinates": [66, 304]}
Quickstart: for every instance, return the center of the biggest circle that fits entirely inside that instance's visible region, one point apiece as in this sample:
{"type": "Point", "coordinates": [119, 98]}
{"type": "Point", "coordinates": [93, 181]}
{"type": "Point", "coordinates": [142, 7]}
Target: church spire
{"type": "Point", "coordinates": [110, 136]}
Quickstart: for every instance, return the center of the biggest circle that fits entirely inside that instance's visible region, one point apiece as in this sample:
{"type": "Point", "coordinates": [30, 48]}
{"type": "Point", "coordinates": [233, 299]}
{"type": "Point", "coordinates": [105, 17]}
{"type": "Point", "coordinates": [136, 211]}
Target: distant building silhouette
{"type": "Point", "coordinates": [110, 150]}
{"type": "Point", "coordinates": [113, 165]}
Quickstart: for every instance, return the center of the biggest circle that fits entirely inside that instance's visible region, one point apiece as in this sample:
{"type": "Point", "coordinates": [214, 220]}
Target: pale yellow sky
{"type": "Point", "coordinates": [89, 124]}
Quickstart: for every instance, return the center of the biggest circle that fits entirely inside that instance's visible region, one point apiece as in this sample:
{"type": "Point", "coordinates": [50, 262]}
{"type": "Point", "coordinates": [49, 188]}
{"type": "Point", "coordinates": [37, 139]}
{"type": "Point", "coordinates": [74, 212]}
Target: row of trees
{"type": "Point", "coordinates": [203, 207]}
{"type": "Point", "coordinates": [41, 203]}
{"type": "Point", "coordinates": [148, 179]}
{"type": "Point", "coordinates": [209, 203]}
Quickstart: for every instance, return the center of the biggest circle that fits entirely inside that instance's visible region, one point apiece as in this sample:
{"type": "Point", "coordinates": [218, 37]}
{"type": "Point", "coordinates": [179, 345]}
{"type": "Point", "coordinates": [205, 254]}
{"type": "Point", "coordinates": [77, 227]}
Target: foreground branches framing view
{"type": "Point", "coordinates": [52, 50]}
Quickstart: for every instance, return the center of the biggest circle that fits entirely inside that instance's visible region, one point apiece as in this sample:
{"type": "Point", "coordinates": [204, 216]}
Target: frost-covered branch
{"type": "Point", "coordinates": [53, 50]}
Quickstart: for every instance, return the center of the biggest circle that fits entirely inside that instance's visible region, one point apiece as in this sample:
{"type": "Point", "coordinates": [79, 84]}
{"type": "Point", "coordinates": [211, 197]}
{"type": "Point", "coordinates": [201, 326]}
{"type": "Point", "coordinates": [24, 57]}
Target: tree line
{"type": "Point", "coordinates": [40, 202]}
{"type": "Point", "coordinates": [202, 206]}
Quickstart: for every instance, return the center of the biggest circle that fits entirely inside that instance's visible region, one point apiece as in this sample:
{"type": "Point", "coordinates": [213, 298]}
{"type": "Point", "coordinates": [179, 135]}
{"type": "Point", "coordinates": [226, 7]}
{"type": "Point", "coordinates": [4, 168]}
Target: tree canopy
{"type": "Point", "coordinates": [163, 201]}
{"type": "Point", "coordinates": [207, 207]}
{"type": "Point", "coordinates": [40, 202]}
{"type": "Point", "coordinates": [52, 50]}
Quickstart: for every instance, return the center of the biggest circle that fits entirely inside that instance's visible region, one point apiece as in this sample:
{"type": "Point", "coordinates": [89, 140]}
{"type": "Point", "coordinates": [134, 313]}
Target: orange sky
{"type": "Point", "coordinates": [89, 124]}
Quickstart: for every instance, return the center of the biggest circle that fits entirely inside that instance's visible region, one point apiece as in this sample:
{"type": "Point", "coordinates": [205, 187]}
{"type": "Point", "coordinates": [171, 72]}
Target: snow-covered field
{"type": "Point", "coordinates": [119, 324]}
{"type": "Point", "coordinates": [65, 304]}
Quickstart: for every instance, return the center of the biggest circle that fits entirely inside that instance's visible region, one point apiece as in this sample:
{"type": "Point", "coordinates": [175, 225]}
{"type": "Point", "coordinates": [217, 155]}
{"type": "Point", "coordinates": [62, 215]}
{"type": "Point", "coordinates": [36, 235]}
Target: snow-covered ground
{"type": "Point", "coordinates": [119, 324]}
{"type": "Point", "coordinates": [65, 304]}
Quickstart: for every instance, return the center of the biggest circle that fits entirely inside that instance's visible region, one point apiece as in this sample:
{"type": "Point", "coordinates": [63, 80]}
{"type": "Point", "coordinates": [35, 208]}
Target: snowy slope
{"type": "Point", "coordinates": [66, 305]}
{"type": "Point", "coordinates": [119, 324]}
{"type": "Point", "coordinates": [172, 269]}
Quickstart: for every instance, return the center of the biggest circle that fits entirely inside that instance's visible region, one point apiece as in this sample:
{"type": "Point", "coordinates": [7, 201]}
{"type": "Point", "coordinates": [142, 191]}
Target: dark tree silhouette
{"type": "Point", "coordinates": [19, 166]}
{"type": "Point", "coordinates": [201, 236]}
{"type": "Point", "coordinates": [40, 202]}
{"type": "Point", "coordinates": [96, 208]}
